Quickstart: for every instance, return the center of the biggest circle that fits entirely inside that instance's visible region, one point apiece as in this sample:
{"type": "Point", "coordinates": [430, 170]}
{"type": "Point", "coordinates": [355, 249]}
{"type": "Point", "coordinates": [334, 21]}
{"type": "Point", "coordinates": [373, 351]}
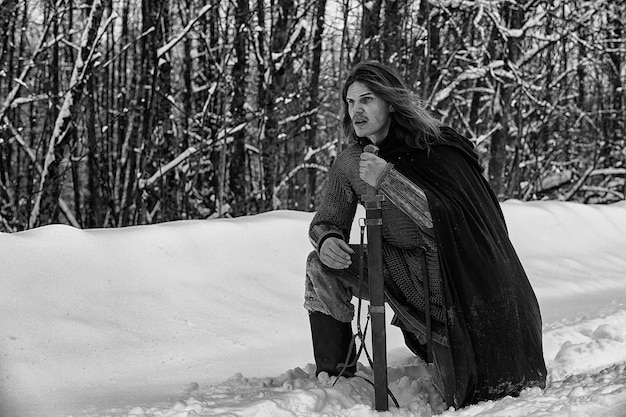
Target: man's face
{"type": "Point", "coordinates": [368, 112]}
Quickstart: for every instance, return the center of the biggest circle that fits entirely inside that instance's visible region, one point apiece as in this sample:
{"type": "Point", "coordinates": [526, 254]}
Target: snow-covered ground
{"type": "Point", "coordinates": [205, 318]}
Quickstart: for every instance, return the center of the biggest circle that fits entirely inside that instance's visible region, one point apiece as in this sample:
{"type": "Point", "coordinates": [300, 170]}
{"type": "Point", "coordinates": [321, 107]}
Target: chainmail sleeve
{"type": "Point", "coordinates": [336, 212]}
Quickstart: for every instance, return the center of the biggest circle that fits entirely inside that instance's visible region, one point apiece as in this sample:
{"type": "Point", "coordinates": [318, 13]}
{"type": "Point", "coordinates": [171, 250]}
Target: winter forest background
{"type": "Point", "coordinates": [121, 112]}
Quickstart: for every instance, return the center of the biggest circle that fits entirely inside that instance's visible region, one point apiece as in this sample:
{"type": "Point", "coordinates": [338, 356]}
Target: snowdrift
{"type": "Point", "coordinates": [206, 317]}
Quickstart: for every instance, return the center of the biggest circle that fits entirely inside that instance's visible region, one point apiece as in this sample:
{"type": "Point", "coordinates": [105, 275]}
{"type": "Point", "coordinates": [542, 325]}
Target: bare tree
{"type": "Point", "coordinates": [58, 143]}
{"type": "Point", "coordinates": [119, 113]}
{"type": "Point", "coordinates": [238, 166]}
{"type": "Point", "coordinates": [314, 84]}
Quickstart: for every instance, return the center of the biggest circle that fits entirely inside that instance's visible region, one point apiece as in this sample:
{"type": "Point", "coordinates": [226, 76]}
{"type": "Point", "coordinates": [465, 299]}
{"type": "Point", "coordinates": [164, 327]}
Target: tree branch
{"type": "Point", "coordinates": [166, 168]}
{"type": "Point", "coordinates": [19, 82]}
{"type": "Point", "coordinates": [163, 50]}
{"type": "Point", "coordinates": [579, 184]}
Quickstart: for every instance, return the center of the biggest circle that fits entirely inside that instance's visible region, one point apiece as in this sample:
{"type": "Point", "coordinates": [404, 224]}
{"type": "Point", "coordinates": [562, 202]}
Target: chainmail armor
{"type": "Point", "coordinates": [407, 244]}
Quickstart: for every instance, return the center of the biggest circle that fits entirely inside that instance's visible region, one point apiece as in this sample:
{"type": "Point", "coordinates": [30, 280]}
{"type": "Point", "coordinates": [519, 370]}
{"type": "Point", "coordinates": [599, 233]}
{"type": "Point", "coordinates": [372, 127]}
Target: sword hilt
{"type": "Point", "coordinates": [371, 149]}
{"type": "Point", "coordinates": [372, 197]}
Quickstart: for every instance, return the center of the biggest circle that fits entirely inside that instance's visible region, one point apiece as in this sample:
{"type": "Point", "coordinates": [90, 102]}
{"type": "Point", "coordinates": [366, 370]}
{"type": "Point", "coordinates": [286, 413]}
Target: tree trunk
{"type": "Point", "coordinates": [391, 38]}
{"type": "Point", "coordinates": [263, 62]}
{"type": "Point", "coordinates": [94, 217]}
{"type": "Point", "coordinates": [428, 55]}
{"type": "Point", "coordinates": [238, 167]}
{"type": "Point", "coordinates": [514, 16]}
{"type": "Point", "coordinates": [371, 30]}
{"type": "Point", "coordinates": [311, 173]}
{"type": "Point", "coordinates": [168, 144]}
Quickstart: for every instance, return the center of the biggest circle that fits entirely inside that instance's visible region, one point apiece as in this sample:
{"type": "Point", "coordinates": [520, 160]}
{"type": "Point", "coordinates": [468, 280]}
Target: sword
{"type": "Point", "coordinates": [373, 221]}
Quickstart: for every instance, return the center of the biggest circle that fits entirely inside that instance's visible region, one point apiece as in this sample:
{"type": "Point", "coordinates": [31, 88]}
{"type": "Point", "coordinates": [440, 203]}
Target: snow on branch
{"type": "Point", "coordinates": [21, 101]}
{"type": "Point", "coordinates": [507, 32]}
{"type": "Point", "coordinates": [608, 171]}
{"type": "Point", "coordinates": [602, 190]}
{"type": "Point", "coordinates": [480, 139]}
{"type": "Point", "coordinates": [279, 57]}
{"type": "Point", "coordinates": [467, 75]}
{"type": "Point", "coordinates": [492, 10]}
{"type": "Point", "coordinates": [310, 152]}
{"type": "Point", "coordinates": [298, 116]}
{"type": "Point", "coordinates": [163, 50]}
{"type": "Point", "coordinates": [167, 168]}
{"type": "Point", "coordinates": [223, 135]}
{"type": "Point", "coordinates": [192, 150]}
{"type": "Point", "coordinates": [444, 4]}
{"type": "Point", "coordinates": [294, 171]}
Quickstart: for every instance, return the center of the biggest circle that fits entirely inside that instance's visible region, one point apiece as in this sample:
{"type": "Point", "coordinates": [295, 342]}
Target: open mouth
{"type": "Point", "coordinates": [359, 122]}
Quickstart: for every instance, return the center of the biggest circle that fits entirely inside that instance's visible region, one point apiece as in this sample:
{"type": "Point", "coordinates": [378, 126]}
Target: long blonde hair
{"type": "Point", "coordinates": [412, 123]}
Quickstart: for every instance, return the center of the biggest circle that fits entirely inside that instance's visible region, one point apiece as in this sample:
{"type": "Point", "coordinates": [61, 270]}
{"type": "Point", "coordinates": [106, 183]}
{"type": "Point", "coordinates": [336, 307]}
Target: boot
{"type": "Point", "coordinates": [332, 341]}
{"type": "Point", "coordinates": [420, 350]}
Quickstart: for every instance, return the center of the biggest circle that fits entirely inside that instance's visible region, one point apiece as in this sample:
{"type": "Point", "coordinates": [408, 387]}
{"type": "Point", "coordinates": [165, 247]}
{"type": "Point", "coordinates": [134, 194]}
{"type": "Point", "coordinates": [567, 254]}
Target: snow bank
{"type": "Point", "coordinates": [205, 317]}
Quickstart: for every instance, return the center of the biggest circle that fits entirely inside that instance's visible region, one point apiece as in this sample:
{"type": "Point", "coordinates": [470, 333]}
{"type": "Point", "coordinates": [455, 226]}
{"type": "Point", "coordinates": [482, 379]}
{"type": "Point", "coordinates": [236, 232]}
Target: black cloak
{"type": "Point", "coordinates": [493, 318]}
